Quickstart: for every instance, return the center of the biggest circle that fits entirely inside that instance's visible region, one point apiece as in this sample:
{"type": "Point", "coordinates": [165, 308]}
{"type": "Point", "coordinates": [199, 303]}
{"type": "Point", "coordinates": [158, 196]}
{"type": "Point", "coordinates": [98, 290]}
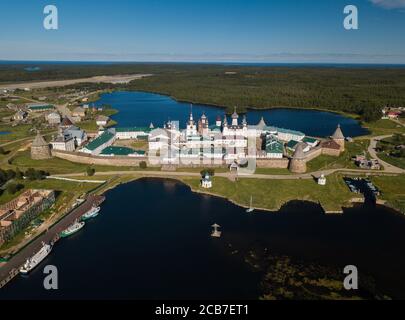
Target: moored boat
{"type": "Point", "coordinates": [36, 259]}
{"type": "Point", "coordinates": [92, 213]}
{"type": "Point", "coordinates": [75, 227]}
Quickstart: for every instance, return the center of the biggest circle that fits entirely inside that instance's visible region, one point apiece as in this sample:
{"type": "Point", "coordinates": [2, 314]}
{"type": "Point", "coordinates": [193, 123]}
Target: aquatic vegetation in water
{"type": "Point", "coordinates": [285, 278]}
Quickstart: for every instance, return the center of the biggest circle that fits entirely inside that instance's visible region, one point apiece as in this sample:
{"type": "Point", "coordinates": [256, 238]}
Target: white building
{"type": "Point", "coordinates": [63, 143]}
{"type": "Point", "coordinates": [79, 135]}
{"type": "Point", "coordinates": [222, 141]}
{"type": "Point", "coordinates": [53, 118]}
{"type": "Point", "coordinates": [102, 121]}
{"type": "Point", "coordinates": [322, 180]}
{"type": "Point", "coordinates": [206, 182]}
{"type": "Point", "coordinates": [133, 133]}
{"type": "Point", "coordinates": [20, 115]}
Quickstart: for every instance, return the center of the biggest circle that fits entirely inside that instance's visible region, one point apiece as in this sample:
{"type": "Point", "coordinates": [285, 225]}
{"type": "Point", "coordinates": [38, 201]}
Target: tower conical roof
{"type": "Point", "coordinates": [262, 124]}
{"type": "Point", "coordinates": [299, 151]}
{"type": "Point", "coordinates": [338, 135]}
{"type": "Point", "coordinates": [39, 141]}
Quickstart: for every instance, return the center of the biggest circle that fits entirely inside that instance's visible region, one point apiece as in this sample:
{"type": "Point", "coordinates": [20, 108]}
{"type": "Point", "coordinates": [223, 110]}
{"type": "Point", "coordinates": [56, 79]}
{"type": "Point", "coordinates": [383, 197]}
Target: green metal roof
{"type": "Point", "coordinates": [292, 144]}
{"type": "Point", "coordinates": [41, 107]}
{"type": "Point", "coordinates": [134, 129]}
{"type": "Point", "coordinates": [310, 140]}
{"type": "Point", "coordinates": [117, 151]}
{"type": "Point", "coordinates": [274, 146]}
{"type": "Point", "coordinates": [99, 141]}
{"type": "Point", "coordinates": [121, 151]}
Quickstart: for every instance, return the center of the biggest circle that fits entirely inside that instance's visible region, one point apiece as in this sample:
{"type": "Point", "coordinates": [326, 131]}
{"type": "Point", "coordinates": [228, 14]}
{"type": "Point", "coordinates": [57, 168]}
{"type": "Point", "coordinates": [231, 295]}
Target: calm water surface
{"type": "Point", "coordinates": [152, 240]}
{"type": "Point", "coordinates": [140, 109]}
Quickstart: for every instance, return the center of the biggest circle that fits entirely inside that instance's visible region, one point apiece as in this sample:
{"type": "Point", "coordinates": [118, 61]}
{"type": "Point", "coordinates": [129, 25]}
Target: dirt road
{"type": "Point", "coordinates": [60, 83]}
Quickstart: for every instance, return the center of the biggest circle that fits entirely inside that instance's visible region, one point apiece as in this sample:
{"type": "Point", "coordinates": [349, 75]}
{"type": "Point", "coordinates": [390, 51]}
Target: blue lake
{"type": "Point", "coordinates": [2, 133]}
{"type": "Point", "coordinates": [140, 109]}
{"type": "Point", "coordinates": [151, 241]}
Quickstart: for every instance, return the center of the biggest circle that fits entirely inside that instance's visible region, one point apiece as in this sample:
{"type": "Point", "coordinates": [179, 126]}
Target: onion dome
{"type": "Point", "coordinates": [235, 115]}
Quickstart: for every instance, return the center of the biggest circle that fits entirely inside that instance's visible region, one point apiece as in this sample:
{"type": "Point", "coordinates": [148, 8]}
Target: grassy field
{"type": "Point", "coordinates": [324, 162]}
{"type": "Point", "coordinates": [91, 125]}
{"type": "Point", "coordinates": [272, 171]}
{"type": "Point", "coordinates": [393, 190]}
{"type": "Point", "coordinates": [23, 161]}
{"type": "Point", "coordinates": [398, 162]}
{"type": "Point", "coordinates": [383, 127]}
{"type": "Point", "coordinates": [273, 194]}
{"type": "Point", "coordinates": [17, 132]}
{"type": "Point", "coordinates": [389, 153]}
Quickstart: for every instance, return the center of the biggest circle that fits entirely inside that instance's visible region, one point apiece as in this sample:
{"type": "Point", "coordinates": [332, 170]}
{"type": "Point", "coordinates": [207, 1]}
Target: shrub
{"type": "Point", "coordinates": [90, 171]}
{"type": "Point", "coordinates": [10, 174]}
{"type": "Point", "coordinates": [143, 165]}
{"type": "Point", "coordinates": [13, 188]}
{"type": "Point", "coordinates": [18, 174]}
{"type": "Point", "coordinates": [33, 174]}
{"type": "Point", "coordinates": [210, 172]}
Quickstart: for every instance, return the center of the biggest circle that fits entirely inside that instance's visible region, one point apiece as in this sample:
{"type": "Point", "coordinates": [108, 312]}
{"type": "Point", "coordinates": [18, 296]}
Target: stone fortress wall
{"type": "Point", "coordinates": [297, 163]}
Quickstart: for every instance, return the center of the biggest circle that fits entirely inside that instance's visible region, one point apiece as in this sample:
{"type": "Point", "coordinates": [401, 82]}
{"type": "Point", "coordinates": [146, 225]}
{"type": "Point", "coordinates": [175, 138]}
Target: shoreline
{"type": "Point", "coordinates": [102, 190]}
{"type": "Point", "coordinates": [243, 110]}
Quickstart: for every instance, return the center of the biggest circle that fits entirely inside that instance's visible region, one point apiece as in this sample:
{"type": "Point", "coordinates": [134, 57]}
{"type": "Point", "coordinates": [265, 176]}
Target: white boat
{"type": "Point", "coordinates": [251, 209]}
{"type": "Point", "coordinates": [36, 259]}
{"type": "Point", "coordinates": [92, 213]}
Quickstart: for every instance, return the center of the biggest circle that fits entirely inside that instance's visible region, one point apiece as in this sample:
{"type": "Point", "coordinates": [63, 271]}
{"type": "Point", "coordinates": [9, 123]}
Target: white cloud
{"type": "Point", "coordinates": [389, 4]}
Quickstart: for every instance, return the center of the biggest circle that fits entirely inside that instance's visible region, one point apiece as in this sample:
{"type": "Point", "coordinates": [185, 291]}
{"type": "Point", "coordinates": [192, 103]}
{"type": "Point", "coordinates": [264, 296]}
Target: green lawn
{"type": "Point", "coordinates": [17, 132]}
{"type": "Point", "coordinates": [91, 125]}
{"type": "Point", "coordinates": [395, 161]}
{"type": "Point", "coordinates": [272, 171]}
{"type": "Point", "coordinates": [384, 127]}
{"type": "Point", "coordinates": [194, 170]}
{"type": "Point", "coordinates": [23, 161]}
{"type": "Point", "coordinates": [388, 145]}
{"type": "Point", "coordinates": [324, 162]}
{"type": "Point", "coordinates": [272, 194]}
{"type": "Point", "coordinates": [393, 190]}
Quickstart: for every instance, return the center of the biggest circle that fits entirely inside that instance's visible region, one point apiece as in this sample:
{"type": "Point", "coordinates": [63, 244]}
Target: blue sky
{"type": "Point", "coordinates": [204, 30]}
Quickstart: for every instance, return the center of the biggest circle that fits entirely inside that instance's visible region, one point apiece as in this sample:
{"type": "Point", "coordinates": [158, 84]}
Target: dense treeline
{"type": "Point", "coordinates": [360, 91]}
{"type": "Point", "coordinates": [12, 187]}
{"type": "Point", "coordinates": [363, 91]}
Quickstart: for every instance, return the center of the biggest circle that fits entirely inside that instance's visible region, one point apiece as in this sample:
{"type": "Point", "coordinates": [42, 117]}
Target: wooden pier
{"type": "Point", "coordinates": [11, 269]}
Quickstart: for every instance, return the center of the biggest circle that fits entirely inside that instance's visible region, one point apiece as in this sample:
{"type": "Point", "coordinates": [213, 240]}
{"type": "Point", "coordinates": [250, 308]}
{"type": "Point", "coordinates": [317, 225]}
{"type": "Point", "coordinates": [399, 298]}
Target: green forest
{"type": "Point", "coordinates": [358, 90]}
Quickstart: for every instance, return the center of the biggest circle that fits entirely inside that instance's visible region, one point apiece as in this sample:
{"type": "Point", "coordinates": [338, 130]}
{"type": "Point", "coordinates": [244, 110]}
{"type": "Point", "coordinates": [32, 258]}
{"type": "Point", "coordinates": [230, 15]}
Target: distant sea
{"type": "Point", "coordinates": [236, 64]}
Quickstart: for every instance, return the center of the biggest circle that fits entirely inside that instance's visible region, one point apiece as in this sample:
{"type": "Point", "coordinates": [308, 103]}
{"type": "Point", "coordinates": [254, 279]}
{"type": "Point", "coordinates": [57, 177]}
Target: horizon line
{"type": "Point", "coordinates": [202, 62]}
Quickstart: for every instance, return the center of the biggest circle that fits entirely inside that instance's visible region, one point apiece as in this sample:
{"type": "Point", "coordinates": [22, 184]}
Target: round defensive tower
{"type": "Point", "coordinates": [298, 162]}
{"type": "Point", "coordinates": [40, 149]}
{"type": "Point", "coordinates": [339, 138]}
